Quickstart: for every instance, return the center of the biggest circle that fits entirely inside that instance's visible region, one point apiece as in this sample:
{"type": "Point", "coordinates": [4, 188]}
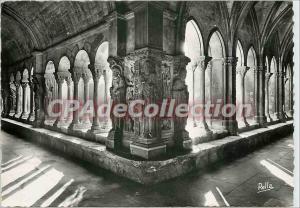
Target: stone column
{"type": "Point", "coordinates": [5, 98]}
{"type": "Point", "coordinates": [96, 72]}
{"type": "Point", "coordinates": [69, 86]}
{"type": "Point", "coordinates": [12, 99]}
{"type": "Point", "coordinates": [281, 96]}
{"type": "Point", "coordinates": [203, 62]}
{"type": "Point", "coordinates": [39, 99]}
{"type": "Point", "coordinates": [17, 113]}
{"type": "Point", "coordinates": [277, 95]}
{"type": "Point", "coordinates": [260, 95]}
{"type": "Point", "coordinates": [60, 80]}
{"type": "Point", "coordinates": [86, 79]}
{"type": "Point", "coordinates": [75, 125]}
{"type": "Point", "coordinates": [291, 93]}
{"type": "Point", "coordinates": [24, 114]}
{"type": "Point", "coordinates": [286, 96]}
{"type": "Point", "coordinates": [241, 71]}
{"type": "Point", "coordinates": [31, 114]}
{"type": "Point", "coordinates": [230, 93]}
{"type": "Point", "coordinates": [268, 76]}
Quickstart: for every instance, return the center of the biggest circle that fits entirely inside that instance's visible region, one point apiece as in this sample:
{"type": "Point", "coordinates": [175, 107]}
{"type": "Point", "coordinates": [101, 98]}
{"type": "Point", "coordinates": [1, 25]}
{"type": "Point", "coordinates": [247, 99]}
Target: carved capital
{"type": "Point", "coordinates": [268, 75]}
{"type": "Point", "coordinates": [97, 71]}
{"type": "Point", "coordinates": [260, 68]}
{"type": "Point", "coordinates": [230, 60]}
{"type": "Point", "coordinates": [24, 84]}
{"type": "Point", "coordinates": [86, 77]}
{"type": "Point", "coordinates": [76, 76]}
{"type": "Point", "coordinates": [241, 70]}
{"type": "Point", "coordinates": [116, 63]}
{"type": "Point", "coordinates": [60, 77]}
{"type": "Point", "coordinates": [203, 62]}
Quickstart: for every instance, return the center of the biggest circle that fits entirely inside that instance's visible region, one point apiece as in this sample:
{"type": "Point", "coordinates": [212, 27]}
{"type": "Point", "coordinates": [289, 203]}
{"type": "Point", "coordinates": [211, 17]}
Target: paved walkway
{"type": "Point", "coordinates": [33, 176]}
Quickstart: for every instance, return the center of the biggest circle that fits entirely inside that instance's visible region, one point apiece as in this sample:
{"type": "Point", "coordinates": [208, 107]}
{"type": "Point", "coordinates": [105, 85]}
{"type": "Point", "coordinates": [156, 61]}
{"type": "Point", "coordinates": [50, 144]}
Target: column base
{"type": "Point", "coordinates": [17, 115]}
{"type": "Point", "coordinates": [75, 126]}
{"type": "Point", "coordinates": [97, 129]}
{"type": "Point", "coordinates": [231, 126]}
{"type": "Point", "coordinates": [38, 123]}
{"type": "Point", "coordinates": [145, 148]}
{"type": "Point", "coordinates": [24, 116]}
{"type": "Point", "coordinates": [262, 120]}
{"type": "Point", "coordinates": [290, 113]}
{"type": "Point", "coordinates": [30, 118]}
{"type": "Point", "coordinates": [113, 140]}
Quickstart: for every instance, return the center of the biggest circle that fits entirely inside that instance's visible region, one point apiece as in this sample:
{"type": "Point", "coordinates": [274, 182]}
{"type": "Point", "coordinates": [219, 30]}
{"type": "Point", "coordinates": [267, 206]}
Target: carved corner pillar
{"type": "Point", "coordinates": [118, 96]}
{"type": "Point", "coordinates": [39, 99]}
{"type": "Point", "coordinates": [5, 99]}
{"type": "Point", "coordinates": [144, 81]}
{"type": "Point", "coordinates": [12, 99]}
{"type": "Point", "coordinates": [230, 123]}
{"type": "Point", "coordinates": [260, 116]}
{"type": "Point", "coordinates": [181, 95]}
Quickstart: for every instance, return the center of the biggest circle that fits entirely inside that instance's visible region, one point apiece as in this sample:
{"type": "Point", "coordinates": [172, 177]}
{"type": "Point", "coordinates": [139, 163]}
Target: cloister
{"type": "Point", "coordinates": [194, 52]}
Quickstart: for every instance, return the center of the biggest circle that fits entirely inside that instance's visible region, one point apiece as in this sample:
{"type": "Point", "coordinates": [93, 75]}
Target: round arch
{"type": "Point", "coordinates": [105, 81]}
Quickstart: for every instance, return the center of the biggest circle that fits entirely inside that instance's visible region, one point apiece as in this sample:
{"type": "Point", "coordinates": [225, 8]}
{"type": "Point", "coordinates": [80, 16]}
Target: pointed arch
{"type": "Point", "coordinates": [239, 54]}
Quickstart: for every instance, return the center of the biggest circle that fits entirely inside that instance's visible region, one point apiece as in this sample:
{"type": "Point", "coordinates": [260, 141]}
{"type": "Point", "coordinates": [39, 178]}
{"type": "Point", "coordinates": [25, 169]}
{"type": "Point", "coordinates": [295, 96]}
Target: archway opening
{"type": "Point", "coordinates": [193, 49]}
{"type": "Point", "coordinates": [85, 87]}
{"type": "Point", "coordinates": [67, 87]}
{"type": "Point", "coordinates": [250, 87]}
{"type": "Point", "coordinates": [239, 81]}
{"type": "Point", "coordinates": [288, 92]}
{"type": "Point", "coordinates": [272, 88]}
{"type": "Point", "coordinates": [215, 80]}
{"type": "Point", "coordinates": [105, 82]}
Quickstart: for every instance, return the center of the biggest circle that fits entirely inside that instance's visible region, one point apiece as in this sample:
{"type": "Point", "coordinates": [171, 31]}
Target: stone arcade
{"type": "Point", "coordinates": [194, 52]}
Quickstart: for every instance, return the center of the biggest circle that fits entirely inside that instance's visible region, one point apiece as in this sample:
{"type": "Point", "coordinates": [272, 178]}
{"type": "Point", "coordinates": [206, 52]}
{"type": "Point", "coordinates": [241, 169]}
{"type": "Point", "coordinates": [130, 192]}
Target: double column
{"type": "Point", "coordinates": [75, 124]}
{"type": "Point", "coordinates": [230, 122]}
{"type": "Point", "coordinates": [260, 94]}
{"type": "Point", "coordinates": [202, 63]}
{"type": "Point", "coordinates": [24, 114]}
{"type": "Point", "coordinates": [280, 80]}
{"type": "Point", "coordinates": [60, 77]}
{"type": "Point", "coordinates": [17, 109]}
{"type": "Point", "coordinates": [97, 73]}
{"type": "Point", "coordinates": [31, 114]}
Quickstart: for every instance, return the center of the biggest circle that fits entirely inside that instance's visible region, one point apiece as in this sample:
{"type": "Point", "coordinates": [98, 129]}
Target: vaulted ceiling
{"type": "Point", "coordinates": [29, 25]}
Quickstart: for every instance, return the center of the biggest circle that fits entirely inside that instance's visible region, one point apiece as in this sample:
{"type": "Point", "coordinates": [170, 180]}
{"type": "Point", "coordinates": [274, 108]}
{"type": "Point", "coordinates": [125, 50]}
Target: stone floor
{"type": "Point", "coordinates": [33, 176]}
